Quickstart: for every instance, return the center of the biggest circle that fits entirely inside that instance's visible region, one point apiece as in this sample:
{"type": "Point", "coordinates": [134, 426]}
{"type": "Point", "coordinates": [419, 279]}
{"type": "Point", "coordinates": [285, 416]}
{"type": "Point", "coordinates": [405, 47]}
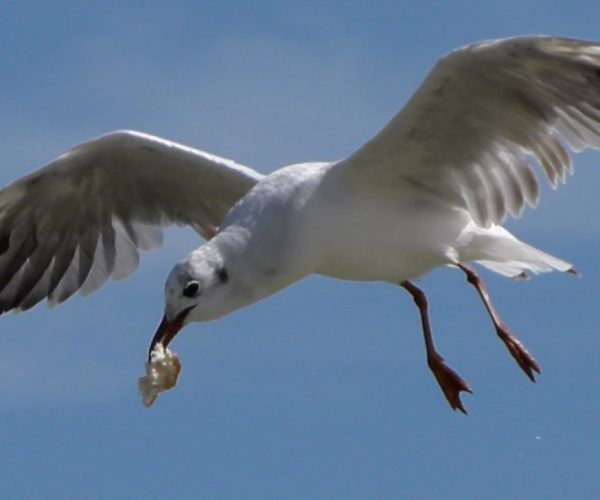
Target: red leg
{"type": "Point", "coordinates": [450, 382]}
{"type": "Point", "coordinates": [516, 348]}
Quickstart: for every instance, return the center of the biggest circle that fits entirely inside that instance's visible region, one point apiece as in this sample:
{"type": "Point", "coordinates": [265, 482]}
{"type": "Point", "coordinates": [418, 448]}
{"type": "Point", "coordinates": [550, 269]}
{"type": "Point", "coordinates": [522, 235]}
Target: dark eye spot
{"type": "Point", "coordinates": [191, 289]}
{"type": "Point", "coordinates": [222, 275]}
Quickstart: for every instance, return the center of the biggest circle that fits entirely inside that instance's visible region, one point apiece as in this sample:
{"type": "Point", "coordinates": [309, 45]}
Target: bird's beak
{"type": "Point", "coordinates": [167, 329]}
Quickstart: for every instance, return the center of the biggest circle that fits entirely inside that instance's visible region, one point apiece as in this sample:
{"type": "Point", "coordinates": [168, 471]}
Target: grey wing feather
{"type": "Point", "coordinates": [83, 218]}
{"type": "Point", "coordinates": [469, 133]}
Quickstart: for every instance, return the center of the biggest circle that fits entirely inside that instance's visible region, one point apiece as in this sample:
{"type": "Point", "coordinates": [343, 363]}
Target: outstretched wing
{"type": "Point", "coordinates": [83, 217]}
{"type": "Point", "coordinates": [470, 132]}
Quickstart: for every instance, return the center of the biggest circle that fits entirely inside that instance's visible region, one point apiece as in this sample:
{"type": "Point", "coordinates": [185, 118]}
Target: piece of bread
{"type": "Point", "coordinates": [161, 374]}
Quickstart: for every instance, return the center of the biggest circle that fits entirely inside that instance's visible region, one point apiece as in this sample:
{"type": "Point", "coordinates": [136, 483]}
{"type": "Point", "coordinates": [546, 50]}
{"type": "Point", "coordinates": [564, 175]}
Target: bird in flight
{"type": "Point", "coordinates": [430, 190]}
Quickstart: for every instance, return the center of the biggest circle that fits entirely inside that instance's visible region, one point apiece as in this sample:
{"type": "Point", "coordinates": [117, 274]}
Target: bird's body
{"type": "Point", "coordinates": [430, 190]}
{"type": "Point", "coordinates": [302, 220]}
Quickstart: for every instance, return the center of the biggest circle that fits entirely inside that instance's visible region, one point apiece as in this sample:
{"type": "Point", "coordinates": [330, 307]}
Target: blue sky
{"type": "Point", "coordinates": [321, 391]}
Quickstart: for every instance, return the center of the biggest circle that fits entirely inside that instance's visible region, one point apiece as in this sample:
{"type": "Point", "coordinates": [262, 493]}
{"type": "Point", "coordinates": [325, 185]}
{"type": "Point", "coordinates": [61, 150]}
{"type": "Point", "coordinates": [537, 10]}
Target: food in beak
{"type": "Point", "coordinates": [163, 366]}
{"type": "Point", "coordinates": [162, 370]}
{"type": "Point", "coordinates": [167, 330]}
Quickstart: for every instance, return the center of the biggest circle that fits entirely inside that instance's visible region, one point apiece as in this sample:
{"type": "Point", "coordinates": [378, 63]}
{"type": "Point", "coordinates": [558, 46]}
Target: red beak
{"type": "Point", "coordinates": [167, 330]}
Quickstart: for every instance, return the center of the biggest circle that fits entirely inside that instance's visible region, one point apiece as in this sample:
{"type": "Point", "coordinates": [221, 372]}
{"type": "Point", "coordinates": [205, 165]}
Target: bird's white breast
{"type": "Point", "coordinates": [298, 222]}
{"type": "Point", "coordinates": [365, 236]}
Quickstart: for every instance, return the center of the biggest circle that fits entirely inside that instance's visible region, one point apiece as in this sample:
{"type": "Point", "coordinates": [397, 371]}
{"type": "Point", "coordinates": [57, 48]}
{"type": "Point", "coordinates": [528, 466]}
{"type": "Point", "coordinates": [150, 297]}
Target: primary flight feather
{"type": "Point", "coordinates": [428, 191]}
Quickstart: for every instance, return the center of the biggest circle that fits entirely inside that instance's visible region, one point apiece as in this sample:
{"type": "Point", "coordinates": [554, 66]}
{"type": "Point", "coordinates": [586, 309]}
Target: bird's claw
{"type": "Point", "coordinates": [521, 355]}
{"type": "Point", "coordinates": [450, 382]}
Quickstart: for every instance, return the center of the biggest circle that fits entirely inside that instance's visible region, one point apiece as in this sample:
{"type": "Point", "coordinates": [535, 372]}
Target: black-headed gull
{"type": "Point", "coordinates": [430, 190]}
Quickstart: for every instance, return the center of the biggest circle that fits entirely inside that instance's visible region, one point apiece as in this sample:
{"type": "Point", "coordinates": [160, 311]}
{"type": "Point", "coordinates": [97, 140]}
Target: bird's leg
{"type": "Point", "coordinates": [516, 348]}
{"type": "Point", "coordinates": [450, 382]}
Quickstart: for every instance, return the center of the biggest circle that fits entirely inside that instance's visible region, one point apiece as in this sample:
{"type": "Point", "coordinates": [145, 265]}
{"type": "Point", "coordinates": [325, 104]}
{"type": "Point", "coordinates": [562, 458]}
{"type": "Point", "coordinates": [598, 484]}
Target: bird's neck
{"type": "Point", "coordinates": [255, 273]}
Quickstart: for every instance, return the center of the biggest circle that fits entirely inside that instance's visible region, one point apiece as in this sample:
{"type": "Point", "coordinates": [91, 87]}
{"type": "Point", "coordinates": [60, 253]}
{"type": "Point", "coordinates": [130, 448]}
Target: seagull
{"type": "Point", "coordinates": [429, 191]}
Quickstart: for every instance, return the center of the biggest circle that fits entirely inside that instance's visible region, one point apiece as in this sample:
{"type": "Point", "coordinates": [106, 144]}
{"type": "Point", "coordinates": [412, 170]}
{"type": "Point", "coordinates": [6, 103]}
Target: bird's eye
{"type": "Point", "coordinates": [191, 289]}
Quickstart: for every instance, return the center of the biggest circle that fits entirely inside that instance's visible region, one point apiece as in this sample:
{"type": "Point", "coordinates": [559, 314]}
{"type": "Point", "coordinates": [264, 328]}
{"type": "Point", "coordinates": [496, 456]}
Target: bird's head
{"type": "Point", "coordinates": [198, 289]}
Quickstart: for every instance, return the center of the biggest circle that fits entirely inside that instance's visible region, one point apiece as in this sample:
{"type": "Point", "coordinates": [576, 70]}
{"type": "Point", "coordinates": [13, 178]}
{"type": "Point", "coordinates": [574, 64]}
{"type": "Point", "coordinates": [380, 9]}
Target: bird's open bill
{"type": "Point", "coordinates": [167, 330]}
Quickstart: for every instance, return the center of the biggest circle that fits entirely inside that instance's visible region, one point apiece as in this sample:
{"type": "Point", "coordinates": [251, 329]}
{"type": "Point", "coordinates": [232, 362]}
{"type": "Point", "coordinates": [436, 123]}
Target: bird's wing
{"type": "Point", "coordinates": [470, 132]}
{"type": "Point", "coordinates": [83, 217]}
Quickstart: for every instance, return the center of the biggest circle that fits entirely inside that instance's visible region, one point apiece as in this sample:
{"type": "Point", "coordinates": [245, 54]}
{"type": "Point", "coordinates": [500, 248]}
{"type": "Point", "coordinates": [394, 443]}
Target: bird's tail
{"type": "Point", "coordinates": [499, 251]}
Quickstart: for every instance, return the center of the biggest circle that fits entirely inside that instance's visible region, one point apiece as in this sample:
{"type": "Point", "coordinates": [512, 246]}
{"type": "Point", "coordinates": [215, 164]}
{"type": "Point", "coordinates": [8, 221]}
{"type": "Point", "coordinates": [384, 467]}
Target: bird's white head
{"type": "Point", "coordinates": [198, 288]}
